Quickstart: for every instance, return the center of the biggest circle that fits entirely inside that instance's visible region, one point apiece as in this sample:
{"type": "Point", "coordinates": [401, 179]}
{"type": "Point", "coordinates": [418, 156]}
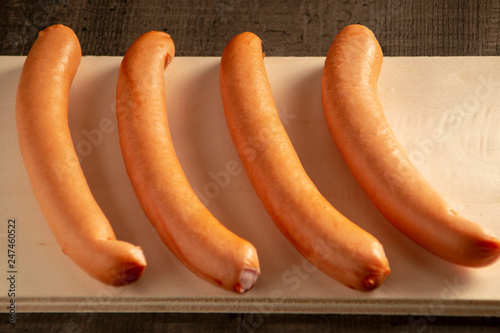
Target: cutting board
{"type": "Point", "coordinates": [445, 112]}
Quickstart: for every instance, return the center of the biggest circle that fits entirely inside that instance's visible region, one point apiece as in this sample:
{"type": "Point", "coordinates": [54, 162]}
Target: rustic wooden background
{"type": "Point", "coordinates": [288, 28]}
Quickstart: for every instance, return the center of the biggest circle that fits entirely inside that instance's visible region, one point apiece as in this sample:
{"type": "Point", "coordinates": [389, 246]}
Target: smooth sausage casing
{"type": "Point", "coordinates": [318, 231]}
{"type": "Point", "coordinates": [379, 162]}
{"type": "Point", "coordinates": [51, 162]}
{"type": "Point", "coordinates": [184, 224]}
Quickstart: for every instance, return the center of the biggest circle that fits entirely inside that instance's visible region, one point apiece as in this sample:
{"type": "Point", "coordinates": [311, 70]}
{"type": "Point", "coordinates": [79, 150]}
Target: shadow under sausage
{"type": "Point", "coordinates": [94, 130]}
{"type": "Point", "coordinates": [309, 133]}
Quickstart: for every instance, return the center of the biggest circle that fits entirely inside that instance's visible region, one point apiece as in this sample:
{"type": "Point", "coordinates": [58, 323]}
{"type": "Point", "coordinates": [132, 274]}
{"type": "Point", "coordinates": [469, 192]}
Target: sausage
{"type": "Point", "coordinates": [184, 224]}
{"type": "Point", "coordinates": [56, 177]}
{"type": "Point", "coordinates": [318, 231]}
{"type": "Point", "coordinates": [380, 164]}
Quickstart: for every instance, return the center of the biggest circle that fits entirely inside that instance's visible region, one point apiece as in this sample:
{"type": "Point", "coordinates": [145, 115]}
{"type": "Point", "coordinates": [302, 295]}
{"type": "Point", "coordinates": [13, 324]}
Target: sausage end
{"type": "Point", "coordinates": [247, 279]}
{"type": "Point", "coordinates": [488, 252]}
{"type": "Point", "coordinates": [373, 281]}
{"type": "Point", "coordinates": [131, 271]}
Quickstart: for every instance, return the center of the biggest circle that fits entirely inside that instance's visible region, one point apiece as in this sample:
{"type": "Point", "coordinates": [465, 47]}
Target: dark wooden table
{"type": "Point", "coordinates": [288, 28]}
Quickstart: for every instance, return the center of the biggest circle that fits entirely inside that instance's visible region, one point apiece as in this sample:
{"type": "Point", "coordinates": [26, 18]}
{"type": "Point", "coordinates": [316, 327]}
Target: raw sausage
{"type": "Point", "coordinates": [189, 230]}
{"type": "Point", "coordinates": [318, 231]}
{"type": "Point", "coordinates": [378, 161]}
{"type": "Point", "coordinates": [58, 182]}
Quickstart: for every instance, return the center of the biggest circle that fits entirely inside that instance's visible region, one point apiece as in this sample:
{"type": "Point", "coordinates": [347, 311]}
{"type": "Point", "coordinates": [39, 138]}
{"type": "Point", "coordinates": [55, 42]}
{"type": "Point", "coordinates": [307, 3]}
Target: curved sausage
{"type": "Point", "coordinates": [379, 163]}
{"type": "Point", "coordinates": [56, 177]}
{"type": "Point", "coordinates": [189, 230]}
{"type": "Point", "coordinates": [318, 231]}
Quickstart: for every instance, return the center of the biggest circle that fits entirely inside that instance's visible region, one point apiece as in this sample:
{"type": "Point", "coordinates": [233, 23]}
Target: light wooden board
{"type": "Point", "coordinates": [445, 111]}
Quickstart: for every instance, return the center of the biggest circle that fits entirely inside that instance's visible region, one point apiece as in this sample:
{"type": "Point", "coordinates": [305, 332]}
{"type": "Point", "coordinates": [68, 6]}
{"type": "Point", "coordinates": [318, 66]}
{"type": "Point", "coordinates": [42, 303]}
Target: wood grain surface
{"type": "Point", "coordinates": [288, 28]}
{"type": "Point", "coordinates": [247, 323]}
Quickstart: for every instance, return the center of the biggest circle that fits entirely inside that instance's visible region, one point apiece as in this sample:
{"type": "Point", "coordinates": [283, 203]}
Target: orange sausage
{"type": "Point", "coordinates": [191, 232]}
{"type": "Point", "coordinates": [58, 182]}
{"type": "Point", "coordinates": [318, 231]}
{"type": "Point", "coordinates": [379, 163]}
